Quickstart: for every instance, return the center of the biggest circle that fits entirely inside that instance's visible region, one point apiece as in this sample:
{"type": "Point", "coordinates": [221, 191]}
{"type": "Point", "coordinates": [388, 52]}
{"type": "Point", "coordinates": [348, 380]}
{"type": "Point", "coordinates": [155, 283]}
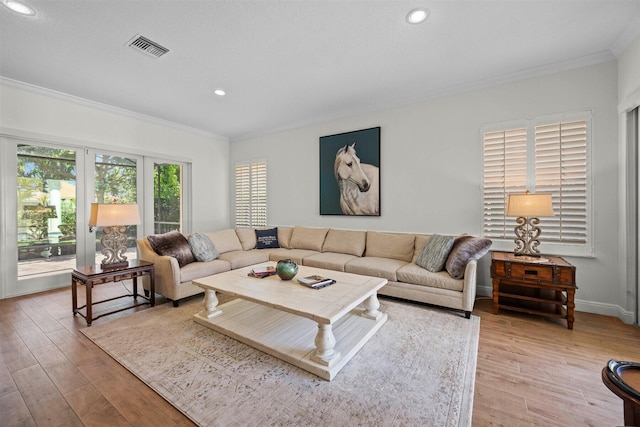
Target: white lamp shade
{"type": "Point", "coordinates": [108, 214]}
{"type": "Point", "coordinates": [529, 205]}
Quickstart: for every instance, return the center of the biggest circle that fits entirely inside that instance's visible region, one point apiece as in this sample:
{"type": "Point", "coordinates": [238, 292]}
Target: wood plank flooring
{"type": "Point", "coordinates": [531, 371]}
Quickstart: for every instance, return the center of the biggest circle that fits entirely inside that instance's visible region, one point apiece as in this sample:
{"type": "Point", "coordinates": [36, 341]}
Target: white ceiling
{"type": "Point", "coordinates": [286, 64]}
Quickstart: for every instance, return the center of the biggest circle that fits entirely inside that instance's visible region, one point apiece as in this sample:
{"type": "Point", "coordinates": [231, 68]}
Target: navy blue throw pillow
{"type": "Point", "coordinates": [267, 239]}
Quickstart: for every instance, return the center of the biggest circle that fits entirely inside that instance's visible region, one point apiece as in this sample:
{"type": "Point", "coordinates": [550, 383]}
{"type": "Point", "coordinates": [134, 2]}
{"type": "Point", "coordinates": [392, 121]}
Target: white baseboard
{"type": "Point", "coordinates": [583, 305]}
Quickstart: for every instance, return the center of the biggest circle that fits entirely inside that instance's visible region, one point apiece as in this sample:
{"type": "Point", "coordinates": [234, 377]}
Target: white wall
{"type": "Point", "coordinates": [55, 118]}
{"type": "Point", "coordinates": [629, 72]}
{"type": "Point", "coordinates": [431, 167]}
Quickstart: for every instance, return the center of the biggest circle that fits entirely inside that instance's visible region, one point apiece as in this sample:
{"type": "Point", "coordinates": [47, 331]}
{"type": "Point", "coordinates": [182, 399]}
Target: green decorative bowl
{"type": "Point", "coordinates": [286, 269]}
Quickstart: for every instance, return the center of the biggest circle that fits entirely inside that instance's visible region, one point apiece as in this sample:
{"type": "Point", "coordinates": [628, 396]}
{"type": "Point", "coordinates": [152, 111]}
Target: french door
{"type": "Point", "coordinates": [46, 201]}
{"type": "Point", "coordinates": [117, 178]}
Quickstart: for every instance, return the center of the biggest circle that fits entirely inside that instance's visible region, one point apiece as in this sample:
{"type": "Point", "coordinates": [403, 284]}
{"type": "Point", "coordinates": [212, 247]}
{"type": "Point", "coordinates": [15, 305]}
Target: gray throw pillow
{"type": "Point", "coordinates": [435, 253]}
{"type": "Point", "coordinates": [466, 248]}
{"type": "Point", "coordinates": [202, 247]}
{"type": "Point", "coordinates": [172, 244]}
{"type": "Point", "coordinates": [267, 239]}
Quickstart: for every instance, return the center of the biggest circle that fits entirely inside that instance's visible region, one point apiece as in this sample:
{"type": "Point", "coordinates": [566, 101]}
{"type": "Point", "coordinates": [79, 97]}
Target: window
{"type": "Point", "coordinates": [167, 197]}
{"type": "Point", "coordinates": [543, 155]}
{"type": "Point", "coordinates": [46, 209]}
{"type": "Point", "coordinates": [251, 194]}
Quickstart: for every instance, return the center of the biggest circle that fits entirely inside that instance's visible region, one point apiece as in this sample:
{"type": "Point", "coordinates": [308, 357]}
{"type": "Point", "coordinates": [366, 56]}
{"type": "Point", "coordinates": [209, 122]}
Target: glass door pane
{"type": "Point", "coordinates": [116, 181]}
{"type": "Point", "coordinates": [46, 209]}
{"type": "Point", "coordinates": [167, 197]}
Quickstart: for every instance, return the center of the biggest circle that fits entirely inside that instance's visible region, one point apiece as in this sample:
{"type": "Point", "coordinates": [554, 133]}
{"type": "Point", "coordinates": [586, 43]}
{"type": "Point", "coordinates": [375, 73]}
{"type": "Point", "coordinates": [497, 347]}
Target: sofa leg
{"type": "Point", "coordinates": [147, 293]}
{"type": "Point", "coordinates": [176, 303]}
{"type": "Point", "coordinates": [467, 314]}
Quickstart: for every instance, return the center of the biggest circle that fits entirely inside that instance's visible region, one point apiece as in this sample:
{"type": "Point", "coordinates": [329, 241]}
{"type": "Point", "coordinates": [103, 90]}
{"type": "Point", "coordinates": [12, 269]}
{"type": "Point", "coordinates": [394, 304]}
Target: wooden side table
{"type": "Point", "coordinates": [544, 288]}
{"type": "Point", "coordinates": [92, 275]}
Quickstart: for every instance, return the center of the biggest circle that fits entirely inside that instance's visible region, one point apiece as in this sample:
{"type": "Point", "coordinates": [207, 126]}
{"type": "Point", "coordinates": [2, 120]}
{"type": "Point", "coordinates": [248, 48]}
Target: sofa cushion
{"type": "Point", "coordinates": [284, 236]}
{"type": "Point", "coordinates": [267, 239]}
{"type": "Point", "coordinates": [421, 240]}
{"type": "Point", "coordinates": [198, 270]}
{"type": "Point", "coordinates": [308, 238]}
{"type": "Point", "coordinates": [239, 259]}
{"type": "Point", "coordinates": [466, 248]}
{"type": "Point", "coordinates": [345, 242]}
{"type": "Point", "coordinates": [375, 266]}
{"type": "Point", "coordinates": [172, 244]}
{"type": "Point", "coordinates": [225, 240]}
{"type": "Point", "coordinates": [295, 255]}
{"type": "Point", "coordinates": [202, 247]}
{"type": "Point", "coordinates": [390, 245]}
{"type": "Point", "coordinates": [329, 260]}
{"type": "Point", "coordinates": [412, 273]}
{"type": "Point", "coordinates": [247, 237]}
{"type": "Point", "coordinates": [435, 252]}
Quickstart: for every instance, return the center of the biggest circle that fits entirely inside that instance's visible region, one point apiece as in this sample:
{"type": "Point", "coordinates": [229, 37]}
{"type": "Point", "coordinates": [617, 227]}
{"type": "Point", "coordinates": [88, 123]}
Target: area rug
{"type": "Point", "coordinates": [418, 369]}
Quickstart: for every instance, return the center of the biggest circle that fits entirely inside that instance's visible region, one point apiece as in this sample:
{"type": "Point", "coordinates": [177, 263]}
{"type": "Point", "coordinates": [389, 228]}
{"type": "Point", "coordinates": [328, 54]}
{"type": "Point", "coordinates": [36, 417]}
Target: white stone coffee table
{"type": "Point", "coordinates": [318, 330]}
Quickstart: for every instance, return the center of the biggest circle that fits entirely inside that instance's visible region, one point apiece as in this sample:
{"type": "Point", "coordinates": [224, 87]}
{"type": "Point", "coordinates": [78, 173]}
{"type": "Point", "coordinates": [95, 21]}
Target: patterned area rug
{"type": "Point", "coordinates": [418, 369]}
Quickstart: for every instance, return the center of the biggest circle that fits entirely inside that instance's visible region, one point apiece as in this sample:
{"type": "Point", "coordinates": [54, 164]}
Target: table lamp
{"type": "Point", "coordinates": [113, 217]}
{"type": "Point", "coordinates": [528, 208]}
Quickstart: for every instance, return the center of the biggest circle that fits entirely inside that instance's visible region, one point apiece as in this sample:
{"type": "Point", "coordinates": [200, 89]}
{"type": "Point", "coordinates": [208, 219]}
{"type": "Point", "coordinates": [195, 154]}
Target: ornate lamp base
{"type": "Point", "coordinates": [114, 243]}
{"type": "Point", "coordinates": [527, 233]}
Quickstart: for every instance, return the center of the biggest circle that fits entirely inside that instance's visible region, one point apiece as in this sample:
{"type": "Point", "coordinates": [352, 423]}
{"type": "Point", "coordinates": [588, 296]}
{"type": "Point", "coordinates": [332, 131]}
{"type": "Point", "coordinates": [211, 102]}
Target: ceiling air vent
{"type": "Point", "coordinates": [146, 46]}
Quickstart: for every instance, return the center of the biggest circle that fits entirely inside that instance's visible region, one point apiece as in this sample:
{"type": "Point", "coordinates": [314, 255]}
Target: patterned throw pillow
{"type": "Point", "coordinates": [466, 248]}
{"type": "Point", "coordinates": [267, 239]}
{"type": "Point", "coordinates": [172, 244]}
{"type": "Point", "coordinates": [435, 253]}
{"type": "Point", "coordinates": [202, 247]}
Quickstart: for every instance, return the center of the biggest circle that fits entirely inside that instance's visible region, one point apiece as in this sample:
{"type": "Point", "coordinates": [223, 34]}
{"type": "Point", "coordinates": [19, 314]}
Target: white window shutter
{"type": "Point", "coordinates": [505, 171]}
{"type": "Point", "coordinates": [561, 170]}
{"type": "Point", "coordinates": [546, 155]}
{"type": "Point", "coordinates": [251, 195]}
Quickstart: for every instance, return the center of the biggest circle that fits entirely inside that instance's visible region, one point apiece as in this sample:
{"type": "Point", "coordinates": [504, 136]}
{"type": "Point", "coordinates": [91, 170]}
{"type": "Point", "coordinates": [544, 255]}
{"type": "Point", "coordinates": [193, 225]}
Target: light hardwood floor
{"type": "Point", "coordinates": [531, 371]}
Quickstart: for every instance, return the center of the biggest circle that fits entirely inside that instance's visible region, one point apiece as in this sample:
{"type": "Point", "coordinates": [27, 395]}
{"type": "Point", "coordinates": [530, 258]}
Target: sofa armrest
{"type": "Point", "coordinates": [469, 288]}
{"type": "Point", "coordinates": [167, 270]}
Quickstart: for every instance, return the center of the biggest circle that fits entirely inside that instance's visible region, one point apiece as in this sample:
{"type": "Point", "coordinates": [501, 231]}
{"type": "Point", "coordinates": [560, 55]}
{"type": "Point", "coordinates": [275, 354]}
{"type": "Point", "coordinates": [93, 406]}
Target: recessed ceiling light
{"type": "Point", "coordinates": [220, 92]}
{"type": "Point", "coordinates": [417, 16]}
{"type": "Point", "coordinates": [21, 8]}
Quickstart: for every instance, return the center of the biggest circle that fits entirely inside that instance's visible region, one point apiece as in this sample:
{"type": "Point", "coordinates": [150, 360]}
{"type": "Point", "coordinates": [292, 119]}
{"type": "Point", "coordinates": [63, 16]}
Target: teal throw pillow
{"type": "Point", "coordinates": [434, 254]}
{"type": "Point", "coordinates": [202, 247]}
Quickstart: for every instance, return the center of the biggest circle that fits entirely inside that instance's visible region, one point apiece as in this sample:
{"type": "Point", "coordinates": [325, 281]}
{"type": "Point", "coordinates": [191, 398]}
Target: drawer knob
{"type": "Point", "coordinates": [531, 272]}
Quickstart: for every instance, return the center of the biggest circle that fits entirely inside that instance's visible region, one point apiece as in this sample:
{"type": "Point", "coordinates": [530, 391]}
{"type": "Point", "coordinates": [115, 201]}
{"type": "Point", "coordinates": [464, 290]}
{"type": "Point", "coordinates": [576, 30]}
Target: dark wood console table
{"type": "Point", "coordinates": [544, 288]}
{"type": "Point", "coordinates": [92, 275]}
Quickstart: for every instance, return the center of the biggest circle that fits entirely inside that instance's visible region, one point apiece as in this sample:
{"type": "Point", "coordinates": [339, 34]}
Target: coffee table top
{"type": "Point", "coordinates": [325, 305]}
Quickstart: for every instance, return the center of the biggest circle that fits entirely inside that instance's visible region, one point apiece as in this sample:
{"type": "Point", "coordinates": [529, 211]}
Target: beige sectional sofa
{"type": "Point", "coordinates": [388, 255]}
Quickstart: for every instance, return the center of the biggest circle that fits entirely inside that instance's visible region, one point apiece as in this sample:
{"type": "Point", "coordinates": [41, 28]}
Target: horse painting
{"type": "Point", "coordinates": [358, 183]}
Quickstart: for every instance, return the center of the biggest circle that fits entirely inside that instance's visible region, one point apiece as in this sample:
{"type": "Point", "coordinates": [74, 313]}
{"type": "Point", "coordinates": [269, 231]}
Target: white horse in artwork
{"type": "Point", "coordinates": [358, 182]}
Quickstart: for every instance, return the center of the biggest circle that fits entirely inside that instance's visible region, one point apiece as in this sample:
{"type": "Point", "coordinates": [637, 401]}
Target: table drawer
{"type": "Point", "coordinates": [532, 272]}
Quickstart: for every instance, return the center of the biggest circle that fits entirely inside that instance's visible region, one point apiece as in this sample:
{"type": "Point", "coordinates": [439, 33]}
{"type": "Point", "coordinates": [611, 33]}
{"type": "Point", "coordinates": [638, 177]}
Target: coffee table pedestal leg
{"type": "Point", "coordinates": [371, 306]}
{"type": "Point", "coordinates": [210, 304]}
{"type": "Point", "coordinates": [325, 342]}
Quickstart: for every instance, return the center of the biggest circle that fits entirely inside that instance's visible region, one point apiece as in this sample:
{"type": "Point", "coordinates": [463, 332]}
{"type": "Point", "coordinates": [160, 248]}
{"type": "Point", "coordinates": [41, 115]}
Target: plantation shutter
{"type": "Point", "coordinates": [545, 155]}
{"type": "Point", "coordinates": [243, 196]}
{"type": "Point", "coordinates": [561, 170]}
{"type": "Point", "coordinates": [251, 195]}
{"type": "Point", "coordinates": [258, 194]}
{"type": "Point", "coordinates": [505, 171]}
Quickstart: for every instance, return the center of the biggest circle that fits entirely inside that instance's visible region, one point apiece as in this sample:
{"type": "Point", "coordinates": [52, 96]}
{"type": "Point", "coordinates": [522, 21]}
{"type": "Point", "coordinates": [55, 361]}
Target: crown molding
{"type": "Point", "coordinates": [627, 37]}
{"type": "Point", "coordinates": [107, 108]}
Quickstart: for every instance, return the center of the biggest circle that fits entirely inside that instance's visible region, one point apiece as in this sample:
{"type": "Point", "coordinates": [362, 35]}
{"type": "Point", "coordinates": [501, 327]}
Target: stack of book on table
{"type": "Point", "coordinates": [261, 272]}
{"type": "Point", "coordinates": [315, 281]}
